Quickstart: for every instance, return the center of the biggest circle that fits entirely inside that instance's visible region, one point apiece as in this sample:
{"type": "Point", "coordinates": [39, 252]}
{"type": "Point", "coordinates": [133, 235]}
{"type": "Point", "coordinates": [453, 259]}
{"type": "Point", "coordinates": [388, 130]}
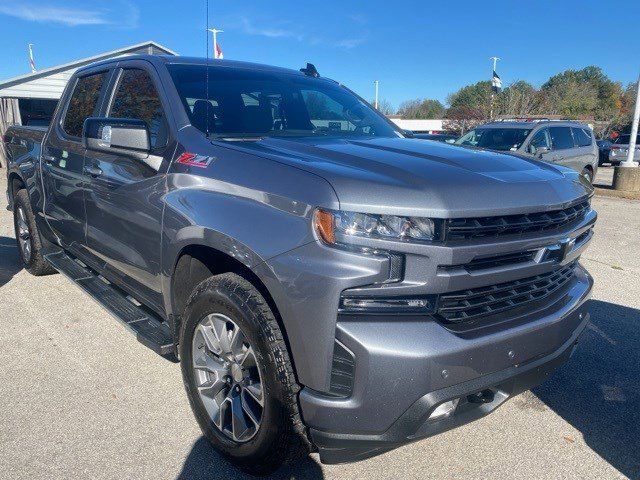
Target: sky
{"type": "Point", "coordinates": [415, 49]}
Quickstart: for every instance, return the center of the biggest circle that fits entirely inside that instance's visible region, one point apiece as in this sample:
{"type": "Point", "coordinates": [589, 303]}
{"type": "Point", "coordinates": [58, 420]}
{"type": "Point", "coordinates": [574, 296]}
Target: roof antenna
{"type": "Point", "coordinates": [206, 67]}
{"type": "Point", "coordinates": [310, 70]}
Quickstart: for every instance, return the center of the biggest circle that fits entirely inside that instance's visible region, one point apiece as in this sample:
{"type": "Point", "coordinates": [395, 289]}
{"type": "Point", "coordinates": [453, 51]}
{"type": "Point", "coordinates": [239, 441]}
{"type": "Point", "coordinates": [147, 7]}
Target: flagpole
{"type": "Point", "coordinates": [215, 41]}
{"type": "Point", "coordinates": [32, 62]}
{"type": "Point", "coordinates": [495, 61]}
{"type": "Point", "coordinates": [375, 104]}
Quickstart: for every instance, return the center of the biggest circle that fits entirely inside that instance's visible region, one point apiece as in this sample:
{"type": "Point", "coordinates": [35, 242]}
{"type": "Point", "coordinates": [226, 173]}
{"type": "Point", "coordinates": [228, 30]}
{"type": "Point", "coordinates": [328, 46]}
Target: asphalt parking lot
{"type": "Point", "coordinates": [604, 176]}
{"type": "Point", "coordinates": [81, 398]}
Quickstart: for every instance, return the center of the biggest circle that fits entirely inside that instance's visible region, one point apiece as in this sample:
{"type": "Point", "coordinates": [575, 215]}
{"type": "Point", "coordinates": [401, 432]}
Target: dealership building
{"type": "Point", "coordinates": [31, 99]}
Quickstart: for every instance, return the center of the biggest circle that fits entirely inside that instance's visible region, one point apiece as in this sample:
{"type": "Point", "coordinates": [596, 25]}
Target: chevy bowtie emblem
{"type": "Point", "coordinates": [566, 246]}
{"type": "Point", "coordinates": [557, 252]}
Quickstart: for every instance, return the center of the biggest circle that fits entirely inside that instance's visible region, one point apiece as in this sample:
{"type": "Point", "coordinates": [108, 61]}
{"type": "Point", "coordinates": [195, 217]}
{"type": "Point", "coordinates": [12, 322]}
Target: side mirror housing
{"type": "Point", "coordinates": [541, 151]}
{"type": "Point", "coordinates": [407, 133]}
{"type": "Point", "coordinates": [116, 135]}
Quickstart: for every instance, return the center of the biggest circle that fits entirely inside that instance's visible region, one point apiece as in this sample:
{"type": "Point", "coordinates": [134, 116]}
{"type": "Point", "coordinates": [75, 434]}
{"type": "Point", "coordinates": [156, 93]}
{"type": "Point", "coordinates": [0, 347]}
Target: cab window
{"type": "Point", "coordinates": [137, 97]}
{"type": "Point", "coordinates": [83, 103]}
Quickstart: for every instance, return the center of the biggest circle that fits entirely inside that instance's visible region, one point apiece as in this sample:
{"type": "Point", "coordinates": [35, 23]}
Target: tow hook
{"type": "Point", "coordinates": [485, 396]}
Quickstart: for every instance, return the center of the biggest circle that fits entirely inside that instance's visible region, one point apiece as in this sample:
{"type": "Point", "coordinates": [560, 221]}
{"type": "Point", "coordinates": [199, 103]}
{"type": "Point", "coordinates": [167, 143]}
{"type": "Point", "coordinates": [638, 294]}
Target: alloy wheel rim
{"type": "Point", "coordinates": [23, 234]}
{"type": "Point", "coordinates": [228, 377]}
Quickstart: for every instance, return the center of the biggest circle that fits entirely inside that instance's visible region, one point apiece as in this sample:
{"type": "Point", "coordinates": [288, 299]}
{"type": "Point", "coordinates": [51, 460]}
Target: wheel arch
{"type": "Point", "coordinates": [15, 183]}
{"type": "Point", "coordinates": [194, 263]}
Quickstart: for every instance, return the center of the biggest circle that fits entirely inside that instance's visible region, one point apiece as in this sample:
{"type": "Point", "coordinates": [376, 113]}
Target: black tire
{"type": "Point", "coordinates": [281, 436]}
{"type": "Point", "coordinates": [33, 261]}
{"type": "Point", "coordinates": [588, 174]}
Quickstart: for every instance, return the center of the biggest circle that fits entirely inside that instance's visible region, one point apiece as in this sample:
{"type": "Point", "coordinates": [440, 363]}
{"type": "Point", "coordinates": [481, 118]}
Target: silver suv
{"type": "Point", "coordinates": [566, 143]}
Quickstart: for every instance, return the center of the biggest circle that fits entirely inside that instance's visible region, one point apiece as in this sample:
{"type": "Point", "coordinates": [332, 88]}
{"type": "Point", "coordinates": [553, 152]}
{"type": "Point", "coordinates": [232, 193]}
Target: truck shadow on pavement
{"type": "Point", "coordinates": [598, 390]}
{"type": "Point", "coordinates": [204, 463]}
{"type": "Point", "coordinates": [9, 259]}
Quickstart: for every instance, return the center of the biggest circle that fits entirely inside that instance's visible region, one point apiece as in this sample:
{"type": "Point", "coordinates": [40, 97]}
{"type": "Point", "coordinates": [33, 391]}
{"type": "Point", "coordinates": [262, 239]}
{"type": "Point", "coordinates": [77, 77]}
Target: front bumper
{"type": "Point", "coordinates": [406, 367]}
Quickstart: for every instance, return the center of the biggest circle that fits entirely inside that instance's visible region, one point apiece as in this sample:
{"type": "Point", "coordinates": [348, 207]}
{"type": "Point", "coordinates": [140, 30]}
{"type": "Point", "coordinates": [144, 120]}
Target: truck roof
{"type": "Point", "coordinates": [178, 59]}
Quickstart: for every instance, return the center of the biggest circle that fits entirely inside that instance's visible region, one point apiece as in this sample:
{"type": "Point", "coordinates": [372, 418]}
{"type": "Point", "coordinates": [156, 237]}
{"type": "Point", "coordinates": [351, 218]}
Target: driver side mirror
{"type": "Point", "coordinates": [540, 151]}
{"type": "Point", "coordinates": [116, 135]}
{"type": "Point", "coordinates": [407, 133]}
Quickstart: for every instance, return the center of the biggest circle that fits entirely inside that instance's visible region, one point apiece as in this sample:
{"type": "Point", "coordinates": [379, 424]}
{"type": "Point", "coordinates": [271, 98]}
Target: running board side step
{"type": "Point", "coordinates": [149, 329]}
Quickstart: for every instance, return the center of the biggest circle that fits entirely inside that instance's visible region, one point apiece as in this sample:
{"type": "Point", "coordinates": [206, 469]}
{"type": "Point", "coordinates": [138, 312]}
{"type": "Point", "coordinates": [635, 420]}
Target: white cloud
{"type": "Point", "coordinates": [358, 18]}
{"type": "Point", "coordinates": [349, 43]}
{"type": "Point", "coordinates": [271, 32]}
{"type": "Point", "coordinates": [121, 14]}
{"type": "Point", "coordinates": [281, 31]}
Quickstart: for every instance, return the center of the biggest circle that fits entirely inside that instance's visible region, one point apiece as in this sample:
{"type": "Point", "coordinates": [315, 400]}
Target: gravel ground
{"type": "Point", "coordinates": [81, 398]}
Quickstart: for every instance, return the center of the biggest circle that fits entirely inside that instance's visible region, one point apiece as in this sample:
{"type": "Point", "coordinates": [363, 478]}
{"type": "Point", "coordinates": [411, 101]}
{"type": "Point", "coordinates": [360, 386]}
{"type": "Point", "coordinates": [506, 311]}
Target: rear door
{"type": "Point", "coordinates": [584, 144]}
{"type": "Point", "coordinates": [563, 151]}
{"type": "Point", "coordinates": [63, 158]}
{"type": "Point", "coordinates": [123, 201]}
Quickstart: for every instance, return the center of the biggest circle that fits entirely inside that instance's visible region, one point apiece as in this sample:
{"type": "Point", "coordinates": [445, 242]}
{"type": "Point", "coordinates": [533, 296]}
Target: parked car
{"type": "Point", "coordinates": [327, 284]}
{"type": "Point", "coordinates": [620, 149]}
{"type": "Point", "coordinates": [438, 137]}
{"type": "Point", "coordinates": [604, 147]}
{"type": "Point", "coordinates": [569, 144]}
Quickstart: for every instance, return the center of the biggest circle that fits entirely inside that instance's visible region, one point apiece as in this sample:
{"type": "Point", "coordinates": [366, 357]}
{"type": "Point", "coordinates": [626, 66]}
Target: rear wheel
{"type": "Point", "coordinates": [238, 375]}
{"type": "Point", "coordinates": [27, 236]}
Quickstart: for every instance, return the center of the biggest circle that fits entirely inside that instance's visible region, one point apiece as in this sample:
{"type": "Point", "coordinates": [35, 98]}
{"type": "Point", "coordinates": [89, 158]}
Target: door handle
{"type": "Point", "coordinates": [49, 159]}
{"type": "Point", "coordinates": [92, 170]}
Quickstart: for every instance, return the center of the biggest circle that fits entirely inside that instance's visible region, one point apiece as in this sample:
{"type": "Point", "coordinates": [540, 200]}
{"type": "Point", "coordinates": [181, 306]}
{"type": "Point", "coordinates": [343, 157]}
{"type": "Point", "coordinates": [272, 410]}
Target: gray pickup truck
{"type": "Point", "coordinates": [326, 284]}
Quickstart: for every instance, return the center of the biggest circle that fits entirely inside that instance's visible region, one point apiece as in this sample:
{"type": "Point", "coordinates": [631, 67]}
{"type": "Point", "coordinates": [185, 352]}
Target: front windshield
{"type": "Point", "coordinates": [494, 138]}
{"type": "Point", "coordinates": [255, 103]}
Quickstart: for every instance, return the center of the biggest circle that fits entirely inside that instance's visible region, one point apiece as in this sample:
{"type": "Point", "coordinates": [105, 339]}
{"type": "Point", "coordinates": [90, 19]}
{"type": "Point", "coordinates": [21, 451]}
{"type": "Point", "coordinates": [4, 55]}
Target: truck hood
{"type": "Point", "coordinates": [417, 177]}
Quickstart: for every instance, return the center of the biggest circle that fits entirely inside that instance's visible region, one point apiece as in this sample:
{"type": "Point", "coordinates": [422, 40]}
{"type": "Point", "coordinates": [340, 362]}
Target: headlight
{"type": "Point", "coordinates": [333, 226]}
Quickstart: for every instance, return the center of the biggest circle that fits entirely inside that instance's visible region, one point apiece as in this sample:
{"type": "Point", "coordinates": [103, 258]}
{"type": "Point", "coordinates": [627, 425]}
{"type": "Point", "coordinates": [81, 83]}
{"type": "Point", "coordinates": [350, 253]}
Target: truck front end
{"type": "Point", "coordinates": [410, 326]}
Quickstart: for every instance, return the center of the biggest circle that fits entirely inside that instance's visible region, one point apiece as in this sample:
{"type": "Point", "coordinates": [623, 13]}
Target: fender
{"type": "Point", "coordinates": [198, 209]}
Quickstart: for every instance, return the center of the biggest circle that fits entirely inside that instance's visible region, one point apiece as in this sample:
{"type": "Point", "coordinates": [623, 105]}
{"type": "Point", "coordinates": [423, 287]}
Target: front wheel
{"type": "Point", "coordinates": [238, 375]}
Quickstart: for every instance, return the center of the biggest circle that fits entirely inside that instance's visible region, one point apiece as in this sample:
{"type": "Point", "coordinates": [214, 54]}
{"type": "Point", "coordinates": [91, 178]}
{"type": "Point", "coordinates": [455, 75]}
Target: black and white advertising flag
{"type": "Point", "coordinates": [496, 82]}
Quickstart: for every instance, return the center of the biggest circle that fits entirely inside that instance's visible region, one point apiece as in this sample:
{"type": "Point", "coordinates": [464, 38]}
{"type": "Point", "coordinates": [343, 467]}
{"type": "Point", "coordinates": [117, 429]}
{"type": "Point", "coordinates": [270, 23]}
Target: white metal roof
{"type": "Point", "coordinates": [50, 82]}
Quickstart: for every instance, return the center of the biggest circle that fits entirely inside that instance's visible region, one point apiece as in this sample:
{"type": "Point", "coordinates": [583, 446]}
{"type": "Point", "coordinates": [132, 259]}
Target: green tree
{"type": "Point", "coordinates": [586, 92]}
{"type": "Point", "coordinates": [421, 109]}
{"type": "Point", "coordinates": [476, 97]}
{"type": "Point", "coordinates": [384, 107]}
{"type": "Point", "coordinates": [519, 98]}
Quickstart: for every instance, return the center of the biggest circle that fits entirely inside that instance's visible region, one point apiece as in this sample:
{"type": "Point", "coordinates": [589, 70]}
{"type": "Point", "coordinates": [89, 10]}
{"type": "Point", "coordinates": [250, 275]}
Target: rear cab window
{"type": "Point", "coordinates": [83, 103]}
{"type": "Point", "coordinates": [561, 138]}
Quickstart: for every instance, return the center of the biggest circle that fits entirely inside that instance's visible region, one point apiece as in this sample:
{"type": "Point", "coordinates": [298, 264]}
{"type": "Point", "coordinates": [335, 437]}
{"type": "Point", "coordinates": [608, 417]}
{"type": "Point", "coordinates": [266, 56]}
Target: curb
{"type": "Point", "coordinates": [602, 191]}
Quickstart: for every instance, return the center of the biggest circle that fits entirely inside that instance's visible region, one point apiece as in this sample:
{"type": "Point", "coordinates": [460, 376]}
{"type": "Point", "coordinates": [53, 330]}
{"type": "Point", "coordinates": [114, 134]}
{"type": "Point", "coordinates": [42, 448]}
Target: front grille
{"type": "Point", "coordinates": [500, 260]}
{"type": "Point", "coordinates": [468, 228]}
{"type": "Point", "coordinates": [466, 305]}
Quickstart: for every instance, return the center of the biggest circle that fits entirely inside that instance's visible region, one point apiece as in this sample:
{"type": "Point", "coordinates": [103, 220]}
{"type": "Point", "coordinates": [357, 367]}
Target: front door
{"type": "Point", "coordinates": [124, 197]}
{"type": "Point", "coordinates": [62, 161]}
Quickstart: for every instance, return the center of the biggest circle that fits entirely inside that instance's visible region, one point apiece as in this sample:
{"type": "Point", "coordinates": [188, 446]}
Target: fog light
{"type": "Point", "coordinates": [444, 409]}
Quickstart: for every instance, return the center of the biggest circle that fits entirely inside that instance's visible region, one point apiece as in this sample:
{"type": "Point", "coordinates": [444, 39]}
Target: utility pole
{"type": "Point", "coordinates": [215, 40]}
{"type": "Point", "coordinates": [375, 102]}
{"type": "Point", "coordinates": [629, 162]}
{"type": "Point", "coordinates": [495, 62]}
